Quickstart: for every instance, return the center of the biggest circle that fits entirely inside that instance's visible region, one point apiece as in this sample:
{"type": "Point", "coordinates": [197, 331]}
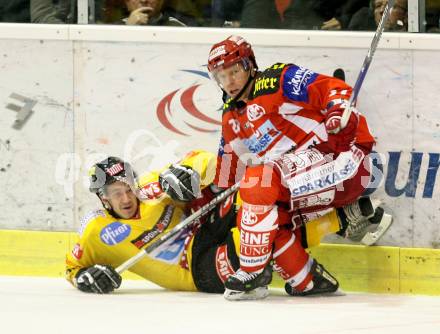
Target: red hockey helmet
{"type": "Point", "coordinates": [232, 50]}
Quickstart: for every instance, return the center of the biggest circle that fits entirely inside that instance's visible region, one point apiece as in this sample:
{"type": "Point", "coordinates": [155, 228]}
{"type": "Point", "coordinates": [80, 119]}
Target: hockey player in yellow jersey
{"type": "Point", "coordinates": [135, 212]}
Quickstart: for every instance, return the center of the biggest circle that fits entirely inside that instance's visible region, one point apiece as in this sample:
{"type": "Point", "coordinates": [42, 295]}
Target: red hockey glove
{"type": "Point", "coordinates": [340, 141]}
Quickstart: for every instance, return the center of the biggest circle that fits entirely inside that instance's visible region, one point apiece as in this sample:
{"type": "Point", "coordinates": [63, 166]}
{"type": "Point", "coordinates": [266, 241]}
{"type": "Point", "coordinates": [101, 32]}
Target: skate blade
{"type": "Point", "coordinates": [256, 294]}
{"type": "Point", "coordinates": [372, 237]}
{"type": "Point", "coordinates": [376, 203]}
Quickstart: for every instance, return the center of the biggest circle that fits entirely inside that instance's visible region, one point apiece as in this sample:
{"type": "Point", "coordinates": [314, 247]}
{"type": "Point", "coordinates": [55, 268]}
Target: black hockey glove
{"type": "Point", "coordinates": [181, 183]}
{"type": "Point", "coordinates": [98, 279]}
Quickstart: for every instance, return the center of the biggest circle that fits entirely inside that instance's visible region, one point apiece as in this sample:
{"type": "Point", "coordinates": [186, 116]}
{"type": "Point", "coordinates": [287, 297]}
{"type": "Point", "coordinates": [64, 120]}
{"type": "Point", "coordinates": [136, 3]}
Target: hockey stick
{"type": "Point", "coordinates": [367, 61]}
{"type": "Point", "coordinates": [177, 229]}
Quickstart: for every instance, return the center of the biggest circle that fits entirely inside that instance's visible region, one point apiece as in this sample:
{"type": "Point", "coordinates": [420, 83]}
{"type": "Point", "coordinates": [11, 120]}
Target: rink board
{"type": "Point", "coordinates": [144, 95]}
{"type": "Point", "coordinates": [358, 268]}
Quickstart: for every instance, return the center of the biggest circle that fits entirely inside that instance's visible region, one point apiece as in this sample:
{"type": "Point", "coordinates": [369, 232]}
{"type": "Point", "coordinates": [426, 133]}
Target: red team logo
{"type": "Point", "coordinates": [77, 252]}
{"type": "Point", "coordinates": [254, 112]}
{"type": "Point", "coordinates": [249, 218]}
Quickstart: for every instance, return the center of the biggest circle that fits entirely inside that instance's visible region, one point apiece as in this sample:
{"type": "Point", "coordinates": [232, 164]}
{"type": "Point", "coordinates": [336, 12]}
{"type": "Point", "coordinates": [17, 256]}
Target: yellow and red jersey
{"type": "Point", "coordinates": [104, 239]}
{"type": "Point", "coordinates": [285, 111]}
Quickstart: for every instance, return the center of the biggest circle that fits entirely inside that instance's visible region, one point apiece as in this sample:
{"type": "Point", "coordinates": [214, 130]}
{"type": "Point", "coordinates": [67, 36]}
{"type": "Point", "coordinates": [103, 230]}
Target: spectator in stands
{"type": "Point", "coordinates": [138, 12]}
{"type": "Point", "coordinates": [433, 16]}
{"type": "Point", "coordinates": [15, 11]}
{"type": "Point", "coordinates": [364, 18]}
{"type": "Point", "coordinates": [369, 18]}
{"type": "Point", "coordinates": [50, 11]}
{"type": "Point", "coordinates": [191, 12]}
{"type": "Point", "coordinates": [149, 12]}
{"type": "Point", "coordinates": [267, 14]}
{"type": "Point", "coordinates": [245, 14]}
{"type": "Point", "coordinates": [289, 14]}
{"type": "Point", "coordinates": [320, 14]}
{"type": "Point", "coordinates": [226, 13]}
{"type": "Point", "coordinates": [343, 14]}
{"type": "Point", "coordinates": [398, 19]}
{"type": "Point", "coordinates": [260, 14]}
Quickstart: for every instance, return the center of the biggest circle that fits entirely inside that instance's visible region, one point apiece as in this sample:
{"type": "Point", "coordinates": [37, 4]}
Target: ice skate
{"type": "Point", "coordinates": [322, 282]}
{"type": "Point", "coordinates": [248, 286]}
{"type": "Point", "coordinates": [360, 217]}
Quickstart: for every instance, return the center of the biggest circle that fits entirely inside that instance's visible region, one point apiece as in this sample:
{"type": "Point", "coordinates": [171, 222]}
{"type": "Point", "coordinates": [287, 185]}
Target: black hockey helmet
{"type": "Point", "coordinates": [108, 171]}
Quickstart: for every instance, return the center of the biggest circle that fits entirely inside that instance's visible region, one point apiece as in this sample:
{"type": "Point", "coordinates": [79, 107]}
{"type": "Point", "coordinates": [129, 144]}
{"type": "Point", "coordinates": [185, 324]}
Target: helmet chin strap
{"type": "Point", "coordinates": [109, 208]}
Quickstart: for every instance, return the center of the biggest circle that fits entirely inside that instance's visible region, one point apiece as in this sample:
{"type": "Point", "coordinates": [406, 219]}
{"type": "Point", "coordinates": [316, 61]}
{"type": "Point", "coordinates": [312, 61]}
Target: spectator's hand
{"type": "Point", "coordinates": [98, 279]}
{"type": "Point", "coordinates": [332, 24]}
{"type": "Point", "coordinates": [139, 16]}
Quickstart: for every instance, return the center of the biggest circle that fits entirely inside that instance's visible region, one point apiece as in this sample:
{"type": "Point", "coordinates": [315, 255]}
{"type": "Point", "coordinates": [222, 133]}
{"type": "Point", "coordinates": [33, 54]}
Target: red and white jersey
{"type": "Point", "coordinates": [285, 111]}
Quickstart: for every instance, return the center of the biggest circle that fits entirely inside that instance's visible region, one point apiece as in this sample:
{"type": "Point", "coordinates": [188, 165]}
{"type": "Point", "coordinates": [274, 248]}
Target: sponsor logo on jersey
{"type": "Point", "coordinates": [151, 190]}
{"type": "Point", "coordinates": [296, 81]}
{"type": "Point", "coordinates": [293, 163]}
{"type": "Point", "coordinates": [253, 255]}
{"type": "Point", "coordinates": [115, 233]}
{"type": "Point", "coordinates": [222, 263]}
{"type": "Point", "coordinates": [252, 261]}
{"type": "Point", "coordinates": [328, 180]}
{"type": "Point", "coordinates": [258, 209]}
{"type": "Point", "coordinates": [77, 252]}
{"type": "Point", "coordinates": [268, 82]}
{"type": "Point", "coordinates": [254, 238]}
{"type": "Point", "coordinates": [321, 199]}
{"type": "Point", "coordinates": [161, 225]}
{"type": "Point", "coordinates": [248, 218]}
{"type": "Point", "coordinates": [262, 138]}
{"type": "Point", "coordinates": [113, 170]}
{"type": "Point", "coordinates": [172, 252]}
{"type": "Point", "coordinates": [255, 112]}
{"type": "Point", "coordinates": [265, 85]}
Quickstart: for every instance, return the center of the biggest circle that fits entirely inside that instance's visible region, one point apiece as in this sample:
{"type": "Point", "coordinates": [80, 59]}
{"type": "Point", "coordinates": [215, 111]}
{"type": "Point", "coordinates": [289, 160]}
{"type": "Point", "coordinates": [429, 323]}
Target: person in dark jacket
{"type": "Point", "coordinates": [15, 11]}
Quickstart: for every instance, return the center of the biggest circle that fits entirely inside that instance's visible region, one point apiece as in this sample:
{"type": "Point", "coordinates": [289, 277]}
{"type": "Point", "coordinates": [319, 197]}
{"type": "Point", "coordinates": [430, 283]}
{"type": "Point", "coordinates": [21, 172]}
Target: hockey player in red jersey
{"type": "Point", "coordinates": [281, 138]}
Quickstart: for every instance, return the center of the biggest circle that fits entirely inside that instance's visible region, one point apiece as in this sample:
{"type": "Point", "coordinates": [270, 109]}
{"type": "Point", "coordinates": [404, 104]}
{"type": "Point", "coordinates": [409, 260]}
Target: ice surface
{"type": "Point", "coordinates": [51, 305]}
